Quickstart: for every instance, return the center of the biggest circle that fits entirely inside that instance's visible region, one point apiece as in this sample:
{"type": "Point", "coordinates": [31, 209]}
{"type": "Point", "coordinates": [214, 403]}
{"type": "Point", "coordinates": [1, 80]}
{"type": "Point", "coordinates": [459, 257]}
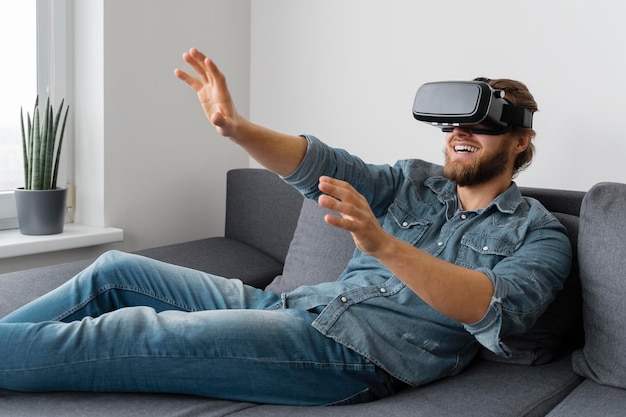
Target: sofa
{"type": "Point", "coordinates": [571, 363]}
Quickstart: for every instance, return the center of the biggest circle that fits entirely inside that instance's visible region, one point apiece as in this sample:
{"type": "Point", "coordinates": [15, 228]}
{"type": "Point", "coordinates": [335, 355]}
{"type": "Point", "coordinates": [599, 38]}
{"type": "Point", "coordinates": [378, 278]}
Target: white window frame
{"type": "Point", "coordinates": [53, 57]}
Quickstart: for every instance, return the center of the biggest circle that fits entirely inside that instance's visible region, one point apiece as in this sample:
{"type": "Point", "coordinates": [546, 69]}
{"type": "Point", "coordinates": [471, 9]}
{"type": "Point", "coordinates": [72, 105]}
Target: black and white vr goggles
{"type": "Point", "coordinates": [474, 105]}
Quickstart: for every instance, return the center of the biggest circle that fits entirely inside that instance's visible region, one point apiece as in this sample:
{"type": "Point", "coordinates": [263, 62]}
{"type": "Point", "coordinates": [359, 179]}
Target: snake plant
{"type": "Point", "coordinates": [42, 146]}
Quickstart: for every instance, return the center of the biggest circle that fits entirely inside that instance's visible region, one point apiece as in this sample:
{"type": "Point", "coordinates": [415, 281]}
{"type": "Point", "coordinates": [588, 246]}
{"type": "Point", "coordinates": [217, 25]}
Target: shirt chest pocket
{"type": "Point", "coordinates": [401, 223]}
{"type": "Point", "coordinates": [478, 250]}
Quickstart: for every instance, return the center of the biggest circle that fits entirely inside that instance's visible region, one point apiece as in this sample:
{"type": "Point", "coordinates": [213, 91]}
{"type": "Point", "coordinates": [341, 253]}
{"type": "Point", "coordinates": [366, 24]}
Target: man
{"type": "Point", "coordinates": [447, 259]}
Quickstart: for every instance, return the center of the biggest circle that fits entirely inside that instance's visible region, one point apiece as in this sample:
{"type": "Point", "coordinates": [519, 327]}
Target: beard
{"type": "Point", "coordinates": [478, 171]}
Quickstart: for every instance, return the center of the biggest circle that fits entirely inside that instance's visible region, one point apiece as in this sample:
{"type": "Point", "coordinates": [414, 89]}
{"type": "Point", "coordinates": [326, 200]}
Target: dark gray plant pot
{"type": "Point", "coordinates": [41, 212]}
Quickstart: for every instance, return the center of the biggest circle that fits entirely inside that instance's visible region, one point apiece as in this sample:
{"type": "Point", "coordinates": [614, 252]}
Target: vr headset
{"type": "Point", "coordinates": [474, 105]}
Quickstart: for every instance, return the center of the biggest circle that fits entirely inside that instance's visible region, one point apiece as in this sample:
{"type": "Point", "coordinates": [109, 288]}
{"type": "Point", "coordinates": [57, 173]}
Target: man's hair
{"type": "Point", "coordinates": [519, 95]}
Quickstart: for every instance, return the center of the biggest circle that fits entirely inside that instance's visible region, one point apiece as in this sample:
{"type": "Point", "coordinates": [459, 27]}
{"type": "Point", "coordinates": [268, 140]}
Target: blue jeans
{"type": "Point", "coordinates": [132, 324]}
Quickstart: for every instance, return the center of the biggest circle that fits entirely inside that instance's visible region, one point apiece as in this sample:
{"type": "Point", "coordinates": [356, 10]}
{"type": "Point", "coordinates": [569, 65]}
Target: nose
{"type": "Point", "coordinates": [462, 131]}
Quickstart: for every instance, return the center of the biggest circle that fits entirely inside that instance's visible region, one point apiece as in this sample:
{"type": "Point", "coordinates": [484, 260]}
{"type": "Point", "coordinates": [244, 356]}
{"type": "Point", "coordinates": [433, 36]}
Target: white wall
{"type": "Point", "coordinates": [347, 71]}
{"type": "Point", "coordinates": [165, 165]}
{"type": "Point", "coordinates": [147, 160]}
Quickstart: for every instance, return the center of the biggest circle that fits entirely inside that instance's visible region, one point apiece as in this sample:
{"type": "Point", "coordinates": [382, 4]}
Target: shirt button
{"type": "Point", "coordinates": [344, 300]}
{"type": "Point", "coordinates": [405, 224]}
{"type": "Point", "coordinates": [439, 243]}
{"type": "Point", "coordinates": [485, 248]}
{"type": "Point", "coordinates": [383, 290]}
{"type": "Point", "coordinates": [463, 216]}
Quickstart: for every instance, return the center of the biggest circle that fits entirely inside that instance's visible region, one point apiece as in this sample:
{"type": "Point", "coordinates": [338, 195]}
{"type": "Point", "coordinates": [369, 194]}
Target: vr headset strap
{"type": "Point", "coordinates": [519, 116]}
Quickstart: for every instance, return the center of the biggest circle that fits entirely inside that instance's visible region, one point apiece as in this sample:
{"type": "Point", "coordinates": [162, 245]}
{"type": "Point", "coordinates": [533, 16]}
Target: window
{"type": "Point", "coordinates": [36, 54]}
{"type": "Point", "coordinates": [18, 84]}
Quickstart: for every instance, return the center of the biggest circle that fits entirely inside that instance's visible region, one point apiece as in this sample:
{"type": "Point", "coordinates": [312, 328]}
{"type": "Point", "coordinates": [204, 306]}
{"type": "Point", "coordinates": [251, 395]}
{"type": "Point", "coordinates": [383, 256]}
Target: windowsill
{"type": "Point", "coordinates": [13, 243]}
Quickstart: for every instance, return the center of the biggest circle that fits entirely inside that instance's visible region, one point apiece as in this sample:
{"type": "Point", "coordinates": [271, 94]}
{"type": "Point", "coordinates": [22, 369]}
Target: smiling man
{"type": "Point", "coordinates": [448, 259]}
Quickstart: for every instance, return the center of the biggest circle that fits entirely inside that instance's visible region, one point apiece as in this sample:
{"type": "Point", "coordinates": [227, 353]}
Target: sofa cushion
{"type": "Point", "coordinates": [20, 287]}
{"type": "Point", "coordinates": [603, 280]}
{"type": "Point", "coordinates": [317, 253]}
{"type": "Point", "coordinates": [483, 389]}
{"type": "Point", "coordinates": [229, 258]}
{"type": "Point", "coordinates": [591, 400]}
{"type": "Point", "coordinates": [559, 326]}
{"type": "Point", "coordinates": [93, 404]}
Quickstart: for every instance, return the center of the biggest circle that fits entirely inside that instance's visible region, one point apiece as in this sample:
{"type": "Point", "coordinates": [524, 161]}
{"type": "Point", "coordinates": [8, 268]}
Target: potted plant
{"type": "Point", "coordinates": [40, 203]}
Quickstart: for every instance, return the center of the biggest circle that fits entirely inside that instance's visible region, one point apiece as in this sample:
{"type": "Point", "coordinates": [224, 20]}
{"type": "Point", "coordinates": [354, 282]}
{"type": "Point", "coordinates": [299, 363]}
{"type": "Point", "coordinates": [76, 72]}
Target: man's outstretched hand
{"type": "Point", "coordinates": [213, 94]}
{"type": "Point", "coordinates": [278, 152]}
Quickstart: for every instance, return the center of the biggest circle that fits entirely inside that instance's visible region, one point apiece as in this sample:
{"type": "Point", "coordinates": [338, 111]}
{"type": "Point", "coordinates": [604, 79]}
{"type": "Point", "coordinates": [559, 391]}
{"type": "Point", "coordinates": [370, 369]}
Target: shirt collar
{"type": "Point", "coordinates": [507, 202]}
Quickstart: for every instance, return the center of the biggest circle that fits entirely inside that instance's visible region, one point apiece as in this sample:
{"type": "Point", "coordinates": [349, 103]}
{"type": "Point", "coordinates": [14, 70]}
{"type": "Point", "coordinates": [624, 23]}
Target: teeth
{"type": "Point", "coordinates": [465, 148]}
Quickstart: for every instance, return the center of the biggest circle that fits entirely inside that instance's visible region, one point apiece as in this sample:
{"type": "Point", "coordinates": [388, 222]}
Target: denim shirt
{"type": "Point", "coordinates": [515, 241]}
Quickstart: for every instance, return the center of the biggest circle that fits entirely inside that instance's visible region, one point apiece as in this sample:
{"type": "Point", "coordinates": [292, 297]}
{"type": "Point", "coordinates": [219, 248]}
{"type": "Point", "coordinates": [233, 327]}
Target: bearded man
{"type": "Point", "coordinates": [448, 259]}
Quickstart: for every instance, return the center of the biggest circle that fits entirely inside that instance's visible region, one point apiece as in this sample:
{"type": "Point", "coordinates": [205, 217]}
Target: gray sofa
{"type": "Point", "coordinates": [572, 363]}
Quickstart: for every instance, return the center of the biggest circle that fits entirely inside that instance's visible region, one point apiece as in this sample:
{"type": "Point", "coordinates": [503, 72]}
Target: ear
{"type": "Point", "coordinates": [522, 141]}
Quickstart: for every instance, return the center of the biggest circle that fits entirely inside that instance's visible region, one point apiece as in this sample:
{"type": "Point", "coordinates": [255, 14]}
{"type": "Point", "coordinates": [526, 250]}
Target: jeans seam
{"type": "Point", "coordinates": [366, 368]}
{"type": "Point", "coordinates": [102, 290]}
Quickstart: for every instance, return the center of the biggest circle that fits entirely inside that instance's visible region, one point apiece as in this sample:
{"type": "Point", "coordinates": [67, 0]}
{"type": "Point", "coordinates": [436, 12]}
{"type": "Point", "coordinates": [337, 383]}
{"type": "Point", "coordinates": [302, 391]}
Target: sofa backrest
{"type": "Point", "coordinates": [261, 210]}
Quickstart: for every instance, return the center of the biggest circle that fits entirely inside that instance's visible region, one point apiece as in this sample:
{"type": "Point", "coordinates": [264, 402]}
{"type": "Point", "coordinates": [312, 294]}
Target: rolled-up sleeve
{"type": "Point", "coordinates": [377, 183]}
{"type": "Point", "coordinates": [313, 165]}
{"type": "Point", "coordinates": [524, 286]}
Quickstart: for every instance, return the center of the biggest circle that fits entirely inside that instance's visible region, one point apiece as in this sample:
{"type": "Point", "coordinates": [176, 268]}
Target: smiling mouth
{"type": "Point", "coordinates": [465, 148]}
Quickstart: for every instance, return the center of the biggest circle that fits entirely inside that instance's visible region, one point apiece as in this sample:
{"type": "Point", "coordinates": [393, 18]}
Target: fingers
{"type": "Point", "coordinates": [191, 81]}
{"type": "Point", "coordinates": [215, 75]}
{"type": "Point", "coordinates": [355, 214]}
{"type": "Point", "coordinates": [205, 68]}
{"type": "Point", "coordinates": [339, 189]}
{"type": "Point", "coordinates": [196, 59]}
{"type": "Point", "coordinates": [341, 197]}
{"type": "Point", "coordinates": [342, 219]}
{"type": "Point", "coordinates": [194, 52]}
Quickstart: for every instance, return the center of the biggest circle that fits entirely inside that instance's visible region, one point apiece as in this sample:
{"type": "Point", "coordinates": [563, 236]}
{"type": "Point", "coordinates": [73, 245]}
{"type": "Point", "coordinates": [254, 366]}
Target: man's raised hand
{"type": "Point", "coordinates": [210, 86]}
